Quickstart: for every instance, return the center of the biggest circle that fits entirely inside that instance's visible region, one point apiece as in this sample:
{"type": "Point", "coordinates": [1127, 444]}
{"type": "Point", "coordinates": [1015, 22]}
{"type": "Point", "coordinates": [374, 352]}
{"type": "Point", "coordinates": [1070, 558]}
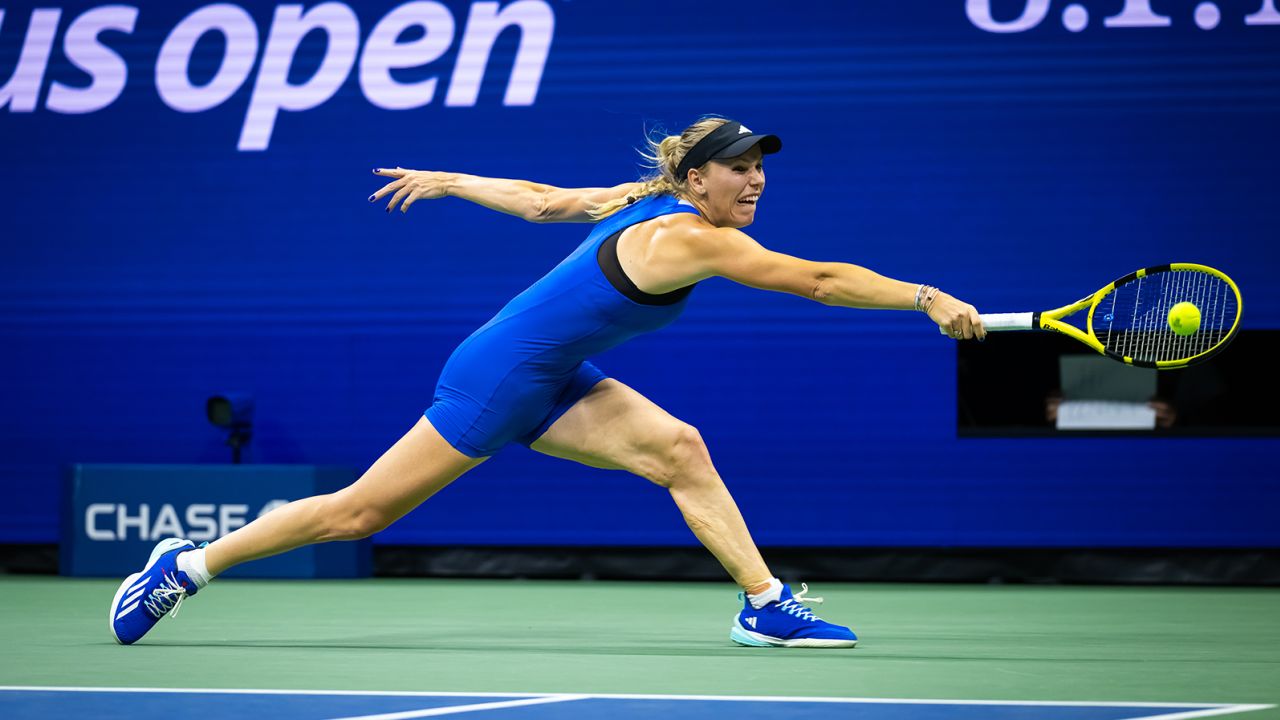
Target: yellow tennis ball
{"type": "Point", "coordinates": [1184, 318]}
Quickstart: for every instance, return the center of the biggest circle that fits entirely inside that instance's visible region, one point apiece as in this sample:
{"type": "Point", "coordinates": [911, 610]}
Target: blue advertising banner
{"type": "Point", "coordinates": [184, 213]}
{"type": "Point", "coordinates": [114, 514]}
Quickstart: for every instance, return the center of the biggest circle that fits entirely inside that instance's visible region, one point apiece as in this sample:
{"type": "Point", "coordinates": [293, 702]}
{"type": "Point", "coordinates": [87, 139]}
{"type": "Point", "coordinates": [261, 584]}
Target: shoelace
{"type": "Point", "coordinates": [166, 598]}
{"type": "Point", "coordinates": [792, 605]}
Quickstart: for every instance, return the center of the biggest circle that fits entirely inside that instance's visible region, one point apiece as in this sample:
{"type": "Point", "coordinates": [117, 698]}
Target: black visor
{"type": "Point", "coordinates": [727, 141]}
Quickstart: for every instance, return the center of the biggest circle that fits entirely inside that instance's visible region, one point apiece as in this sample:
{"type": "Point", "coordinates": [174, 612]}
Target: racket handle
{"type": "Point", "coordinates": [996, 322]}
{"type": "Point", "coordinates": [1008, 321]}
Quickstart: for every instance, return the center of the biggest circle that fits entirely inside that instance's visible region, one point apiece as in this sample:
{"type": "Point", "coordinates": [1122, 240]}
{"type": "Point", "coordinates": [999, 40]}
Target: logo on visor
{"type": "Point", "coordinates": [744, 130]}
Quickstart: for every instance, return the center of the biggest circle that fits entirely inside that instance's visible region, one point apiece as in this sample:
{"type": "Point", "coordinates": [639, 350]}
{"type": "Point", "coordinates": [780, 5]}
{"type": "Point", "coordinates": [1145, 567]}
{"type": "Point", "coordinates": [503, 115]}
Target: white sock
{"type": "Point", "coordinates": [192, 563]}
{"type": "Point", "coordinates": [773, 594]}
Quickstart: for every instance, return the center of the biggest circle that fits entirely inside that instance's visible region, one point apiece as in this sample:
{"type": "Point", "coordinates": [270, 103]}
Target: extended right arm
{"type": "Point", "coordinates": [531, 201]}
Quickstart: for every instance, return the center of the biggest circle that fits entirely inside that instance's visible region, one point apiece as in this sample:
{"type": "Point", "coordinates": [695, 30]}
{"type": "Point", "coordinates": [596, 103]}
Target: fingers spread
{"type": "Point", "coordinates": [397, 198]}
{"type": "Point", "coordinates": [385, 189]}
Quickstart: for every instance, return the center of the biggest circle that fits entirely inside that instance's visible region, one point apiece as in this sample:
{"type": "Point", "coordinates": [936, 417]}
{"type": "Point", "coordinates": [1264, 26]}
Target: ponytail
{"type": "Point", "coordinates": [662, 157]}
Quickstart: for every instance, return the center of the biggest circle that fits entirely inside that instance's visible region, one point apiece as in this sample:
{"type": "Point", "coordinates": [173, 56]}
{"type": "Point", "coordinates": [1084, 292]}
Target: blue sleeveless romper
{"type": "Point", "coordinates": [516, 375]}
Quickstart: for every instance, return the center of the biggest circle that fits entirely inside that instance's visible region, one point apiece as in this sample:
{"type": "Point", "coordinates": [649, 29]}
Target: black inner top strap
{"type": "Point", "coordinates": [607, 256]}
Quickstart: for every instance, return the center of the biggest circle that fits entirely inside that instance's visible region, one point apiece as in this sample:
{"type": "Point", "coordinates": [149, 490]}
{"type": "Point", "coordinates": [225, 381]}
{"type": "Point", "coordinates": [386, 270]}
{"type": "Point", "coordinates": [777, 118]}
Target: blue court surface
{"type": "Point", "coordinates": [21, 703]}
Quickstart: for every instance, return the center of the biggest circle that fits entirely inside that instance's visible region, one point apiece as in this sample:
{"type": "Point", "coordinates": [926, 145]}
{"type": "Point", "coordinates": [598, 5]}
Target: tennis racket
{"type": "Point", "coordinates": [1129, 320]}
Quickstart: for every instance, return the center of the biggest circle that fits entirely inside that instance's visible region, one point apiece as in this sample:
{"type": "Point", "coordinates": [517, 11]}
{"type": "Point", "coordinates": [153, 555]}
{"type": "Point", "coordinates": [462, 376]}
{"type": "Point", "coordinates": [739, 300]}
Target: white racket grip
{"type": "Point", "coordinates": [996, 322]}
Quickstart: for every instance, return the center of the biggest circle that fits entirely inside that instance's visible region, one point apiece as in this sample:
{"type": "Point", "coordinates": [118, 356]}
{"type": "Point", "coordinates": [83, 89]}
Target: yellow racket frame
{"type": "Point", "coordinates": [1051, 320]}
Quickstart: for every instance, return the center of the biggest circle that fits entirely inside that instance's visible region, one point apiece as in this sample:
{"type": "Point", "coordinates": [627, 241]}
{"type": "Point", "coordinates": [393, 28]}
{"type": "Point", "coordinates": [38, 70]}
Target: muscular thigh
{"type": "Point", "coordinates": [412, 470]}
{"type": "Point", "coordinates": [611, 427]}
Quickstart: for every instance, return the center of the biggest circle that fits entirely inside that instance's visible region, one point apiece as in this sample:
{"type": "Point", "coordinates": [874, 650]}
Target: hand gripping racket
{"type": "Point", "coordinates": [1130, 321]}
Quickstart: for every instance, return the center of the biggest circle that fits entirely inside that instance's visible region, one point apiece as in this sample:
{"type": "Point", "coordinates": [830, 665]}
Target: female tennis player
{"type": "Point", "coordinates": [525, 377]}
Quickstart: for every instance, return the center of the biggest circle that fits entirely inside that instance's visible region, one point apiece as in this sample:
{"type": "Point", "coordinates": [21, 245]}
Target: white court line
{"type": "Point", "coordinates": [937, 701]}
{"type": "Point", "coordinates": [1225, 710]}
{"type": "Point", "coordinates": [454, 709]}
{"type": "Point", "coordinates": [1201, 709]}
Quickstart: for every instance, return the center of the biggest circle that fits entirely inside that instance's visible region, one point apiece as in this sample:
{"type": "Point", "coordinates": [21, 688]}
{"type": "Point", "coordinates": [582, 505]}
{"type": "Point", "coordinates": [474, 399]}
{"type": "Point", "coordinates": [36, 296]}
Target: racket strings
{"type": "Point", "coordinates": [1133, 319]}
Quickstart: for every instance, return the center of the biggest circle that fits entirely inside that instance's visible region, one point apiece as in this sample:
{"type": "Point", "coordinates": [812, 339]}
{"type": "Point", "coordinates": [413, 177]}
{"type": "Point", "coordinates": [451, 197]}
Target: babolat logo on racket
{"type": "Point", "coordinates": [265, 61]}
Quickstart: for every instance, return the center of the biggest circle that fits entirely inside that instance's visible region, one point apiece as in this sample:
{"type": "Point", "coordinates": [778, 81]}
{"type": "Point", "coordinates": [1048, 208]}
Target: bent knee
{"type": "Point", "coordinates": [347, 519]}
{"type": "Point", "coordinates": [679, 455]}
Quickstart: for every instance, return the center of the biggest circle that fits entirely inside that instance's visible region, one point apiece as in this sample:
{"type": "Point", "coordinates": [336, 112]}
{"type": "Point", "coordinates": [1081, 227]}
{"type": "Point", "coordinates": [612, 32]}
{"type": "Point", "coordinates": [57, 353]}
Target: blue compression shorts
{"type": "Point", "coordinates": [522, 409]}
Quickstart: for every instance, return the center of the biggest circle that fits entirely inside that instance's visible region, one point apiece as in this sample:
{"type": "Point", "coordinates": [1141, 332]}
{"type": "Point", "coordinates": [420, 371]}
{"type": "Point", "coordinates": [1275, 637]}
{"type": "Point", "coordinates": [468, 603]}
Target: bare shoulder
{"type": "Point", "coordinates": [678, 225]}
{"type": "Point", "coordinates": [682, 248]}
{"type": "Point", "coordinates": [693, 235]}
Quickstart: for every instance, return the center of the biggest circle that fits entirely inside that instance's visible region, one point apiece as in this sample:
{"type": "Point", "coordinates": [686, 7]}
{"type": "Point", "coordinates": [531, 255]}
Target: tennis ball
{"type": "Point", "coordinates": [1184, 318]}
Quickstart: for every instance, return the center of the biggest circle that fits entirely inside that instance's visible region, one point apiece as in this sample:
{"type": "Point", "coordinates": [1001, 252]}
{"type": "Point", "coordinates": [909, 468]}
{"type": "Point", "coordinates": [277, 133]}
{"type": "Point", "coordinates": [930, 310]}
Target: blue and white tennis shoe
{"type": "Point", "coordinates": [145, 597]}
{"type": "Point", "coordinates": [788, 623]}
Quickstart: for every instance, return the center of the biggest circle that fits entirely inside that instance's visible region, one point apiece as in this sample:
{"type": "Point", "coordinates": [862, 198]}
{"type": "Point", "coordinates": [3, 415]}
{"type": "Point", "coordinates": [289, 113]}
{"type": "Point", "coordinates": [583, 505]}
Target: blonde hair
{"type": "Point", "coordinates": [662, 157]}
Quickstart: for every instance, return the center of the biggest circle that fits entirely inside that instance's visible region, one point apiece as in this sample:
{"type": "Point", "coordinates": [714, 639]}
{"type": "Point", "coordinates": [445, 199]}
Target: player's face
{"type": "Point", "coordinates": [730, 188]}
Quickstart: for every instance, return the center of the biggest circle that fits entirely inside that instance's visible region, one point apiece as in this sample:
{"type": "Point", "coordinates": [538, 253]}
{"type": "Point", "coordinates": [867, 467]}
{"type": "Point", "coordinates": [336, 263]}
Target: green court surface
{"type": "Point", "coordinates": [993, 642]}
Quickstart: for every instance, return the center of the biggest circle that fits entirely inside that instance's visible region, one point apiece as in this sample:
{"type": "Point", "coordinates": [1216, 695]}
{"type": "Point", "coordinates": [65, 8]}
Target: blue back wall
{"type": "Point", "coordinates": [151, 257]}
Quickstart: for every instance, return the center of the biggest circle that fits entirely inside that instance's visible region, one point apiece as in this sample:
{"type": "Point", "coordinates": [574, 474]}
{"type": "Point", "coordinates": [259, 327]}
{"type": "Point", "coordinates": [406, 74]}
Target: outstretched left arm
{"type": "Point", "coordinates": [532, 201]}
